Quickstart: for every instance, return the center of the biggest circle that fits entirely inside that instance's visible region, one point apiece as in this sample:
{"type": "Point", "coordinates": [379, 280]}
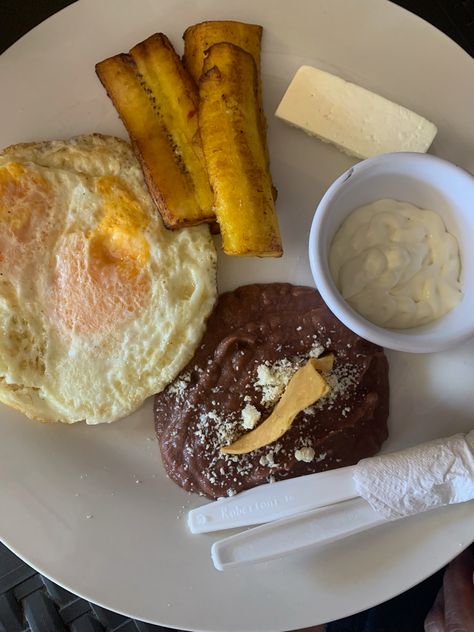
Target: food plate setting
{"type": "Point", "coordinates": [240, 232]}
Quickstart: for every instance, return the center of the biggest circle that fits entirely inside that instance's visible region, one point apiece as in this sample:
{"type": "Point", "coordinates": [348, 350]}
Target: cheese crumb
{"type": "Point", "coordinates": [179, 385]}
{"type": "Point", "coordinates": [267, 459]}
{"type": "Point", "coordinates": [304, 454]}
{"type": "Point", "coordinates": [273, 379]}
{"type": "Point", "coordinates": [316, 350]}
{"type": "Point", "coordinates": [250, 417]}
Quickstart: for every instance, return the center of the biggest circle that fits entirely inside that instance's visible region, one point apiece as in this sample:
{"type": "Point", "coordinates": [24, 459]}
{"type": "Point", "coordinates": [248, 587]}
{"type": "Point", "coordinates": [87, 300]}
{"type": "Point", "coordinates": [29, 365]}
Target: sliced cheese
{"type": "Point", "coordinates": [359, 122]}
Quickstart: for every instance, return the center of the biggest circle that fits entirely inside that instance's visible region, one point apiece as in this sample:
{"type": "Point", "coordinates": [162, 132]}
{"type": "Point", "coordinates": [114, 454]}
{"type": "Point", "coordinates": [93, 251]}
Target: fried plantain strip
{"type": "Point", "coordinates": [200, 37]}
{"type": "Point", "coordinates": [168, 178]}
{"type": "Point", "coordinates": [235, 156]}
{"type": "Point", "coordinates": [175, 97]}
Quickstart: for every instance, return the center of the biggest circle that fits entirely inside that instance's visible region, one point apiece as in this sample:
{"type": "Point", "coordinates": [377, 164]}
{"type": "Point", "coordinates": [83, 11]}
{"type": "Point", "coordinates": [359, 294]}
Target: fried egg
{"type": "Point", "coordinates": [100, 305]}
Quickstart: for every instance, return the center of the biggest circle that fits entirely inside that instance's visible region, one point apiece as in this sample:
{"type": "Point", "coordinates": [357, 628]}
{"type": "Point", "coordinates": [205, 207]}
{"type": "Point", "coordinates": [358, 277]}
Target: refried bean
{"type": "Point", "coordinates": [256, 338]}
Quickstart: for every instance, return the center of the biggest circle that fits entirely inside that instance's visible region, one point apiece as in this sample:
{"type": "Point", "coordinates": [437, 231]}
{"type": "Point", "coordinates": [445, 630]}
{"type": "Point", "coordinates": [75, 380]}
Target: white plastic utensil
{"type": "Point", "coordinates": [274, 501]}
{"type": "Point", "coordinates": [339, 503]}
{"type": "Point", "coordinates": [318, 527]}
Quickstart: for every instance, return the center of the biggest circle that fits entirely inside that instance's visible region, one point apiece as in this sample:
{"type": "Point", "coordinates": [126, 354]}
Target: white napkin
{"type": "Point", "coordinates": [433, 474]}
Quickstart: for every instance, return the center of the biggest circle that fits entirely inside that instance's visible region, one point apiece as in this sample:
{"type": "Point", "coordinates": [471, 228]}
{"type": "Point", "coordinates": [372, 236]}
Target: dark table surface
{"type": "Point", "coordinates": [32, 603]}
{"type": "Point", "coordinates": [453, 17]}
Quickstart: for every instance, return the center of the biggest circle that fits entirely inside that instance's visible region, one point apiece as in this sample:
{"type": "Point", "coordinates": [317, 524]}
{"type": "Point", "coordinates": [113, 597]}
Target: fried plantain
{"type": "Point", "coordinates": [158, 102]}
{"type": "Point", "coordinates": [235, 153]}
{"type": "Point", "coordinates": [200, 37]}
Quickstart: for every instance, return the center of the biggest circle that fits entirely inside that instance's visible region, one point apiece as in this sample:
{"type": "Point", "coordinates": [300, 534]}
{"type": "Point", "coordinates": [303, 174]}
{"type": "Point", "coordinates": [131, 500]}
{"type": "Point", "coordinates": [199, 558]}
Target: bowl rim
{"type": "Point", "coordinates": [395, 339]}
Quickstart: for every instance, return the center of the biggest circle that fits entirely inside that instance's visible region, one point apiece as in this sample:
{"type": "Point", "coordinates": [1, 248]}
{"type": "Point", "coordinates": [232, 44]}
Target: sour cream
{"type": "Point", "coordinates": [396, 264]}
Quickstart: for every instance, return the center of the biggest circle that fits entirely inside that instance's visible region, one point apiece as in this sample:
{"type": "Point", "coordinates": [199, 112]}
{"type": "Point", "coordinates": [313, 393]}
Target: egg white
{"type": "Point", "coordinates": [100, 305]}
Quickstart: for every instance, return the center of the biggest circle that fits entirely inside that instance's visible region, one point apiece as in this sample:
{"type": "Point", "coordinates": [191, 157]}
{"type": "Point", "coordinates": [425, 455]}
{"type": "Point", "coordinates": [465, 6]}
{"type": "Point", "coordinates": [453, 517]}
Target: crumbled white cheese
{"type": "Point", "coordinates": [250, 416]}
{"type": "Point", "coordinates": [267, 459]}
{"type": "Point", "coordinates": [304, 454]}
{"type": "Point", "coordinates": [225, 427]}
{"type": "Point", "coordinates": [179, 385]}
{"type": "Point", "coordinates": [316, 350]}
{"type": "Point", "coordinates": [273, 379]}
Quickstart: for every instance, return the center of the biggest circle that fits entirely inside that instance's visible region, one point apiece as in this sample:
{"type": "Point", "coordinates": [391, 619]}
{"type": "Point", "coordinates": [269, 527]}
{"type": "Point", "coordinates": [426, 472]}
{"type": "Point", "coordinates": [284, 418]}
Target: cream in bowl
{"type": "Point", "coordinates": [404, 284]}
{"type": "Point", "coordinates": [396, 264]}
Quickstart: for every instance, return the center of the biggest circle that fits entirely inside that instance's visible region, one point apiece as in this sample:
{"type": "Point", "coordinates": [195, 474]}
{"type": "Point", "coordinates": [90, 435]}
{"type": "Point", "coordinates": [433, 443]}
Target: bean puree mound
{"type": "Point", "coordinates": [256, 339]}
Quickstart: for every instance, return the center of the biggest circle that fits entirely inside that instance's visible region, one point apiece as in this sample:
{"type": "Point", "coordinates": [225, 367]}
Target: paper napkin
{"type": "Point", "coordinates": [433, 474]}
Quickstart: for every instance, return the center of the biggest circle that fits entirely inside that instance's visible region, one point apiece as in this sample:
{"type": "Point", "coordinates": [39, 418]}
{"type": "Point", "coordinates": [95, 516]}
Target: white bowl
{"type": "Point", "coordinates": [428, 182]}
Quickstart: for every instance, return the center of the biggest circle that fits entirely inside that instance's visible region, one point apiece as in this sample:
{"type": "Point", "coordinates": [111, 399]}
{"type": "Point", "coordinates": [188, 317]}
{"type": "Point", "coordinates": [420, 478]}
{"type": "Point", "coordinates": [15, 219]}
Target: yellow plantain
{"type": "Point", "coordinates": [158, 102]}
{"type": "Point", "coordinates": [235, 154]}
{"type": "Point", "coordinates": [200, 37]}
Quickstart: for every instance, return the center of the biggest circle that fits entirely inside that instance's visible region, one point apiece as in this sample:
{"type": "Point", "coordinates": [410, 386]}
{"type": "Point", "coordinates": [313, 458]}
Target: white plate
{"type": "Point", "coordinates": [134, 554]}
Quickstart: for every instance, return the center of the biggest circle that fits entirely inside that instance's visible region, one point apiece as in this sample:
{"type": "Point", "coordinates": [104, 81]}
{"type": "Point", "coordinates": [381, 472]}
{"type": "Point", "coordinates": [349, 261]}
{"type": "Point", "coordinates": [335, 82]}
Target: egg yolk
{"type": "Point", "coordinates": [101, 279]}
{"type": "Point", "coordinates": [119, 237]}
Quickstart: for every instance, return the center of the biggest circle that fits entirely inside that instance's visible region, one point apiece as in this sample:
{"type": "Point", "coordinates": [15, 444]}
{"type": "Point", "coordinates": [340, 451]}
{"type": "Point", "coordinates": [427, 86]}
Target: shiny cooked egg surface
{"type": "Point", "coordinates": [100, 305]}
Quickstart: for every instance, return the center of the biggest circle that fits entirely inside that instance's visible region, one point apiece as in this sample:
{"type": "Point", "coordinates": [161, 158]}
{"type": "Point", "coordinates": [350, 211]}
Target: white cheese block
{"type": "Point", "coordinates": [359, 122]}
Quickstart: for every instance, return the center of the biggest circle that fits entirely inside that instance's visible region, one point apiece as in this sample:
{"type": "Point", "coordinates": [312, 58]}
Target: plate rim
{"type": "Point", "coordinates": [13, 547]}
